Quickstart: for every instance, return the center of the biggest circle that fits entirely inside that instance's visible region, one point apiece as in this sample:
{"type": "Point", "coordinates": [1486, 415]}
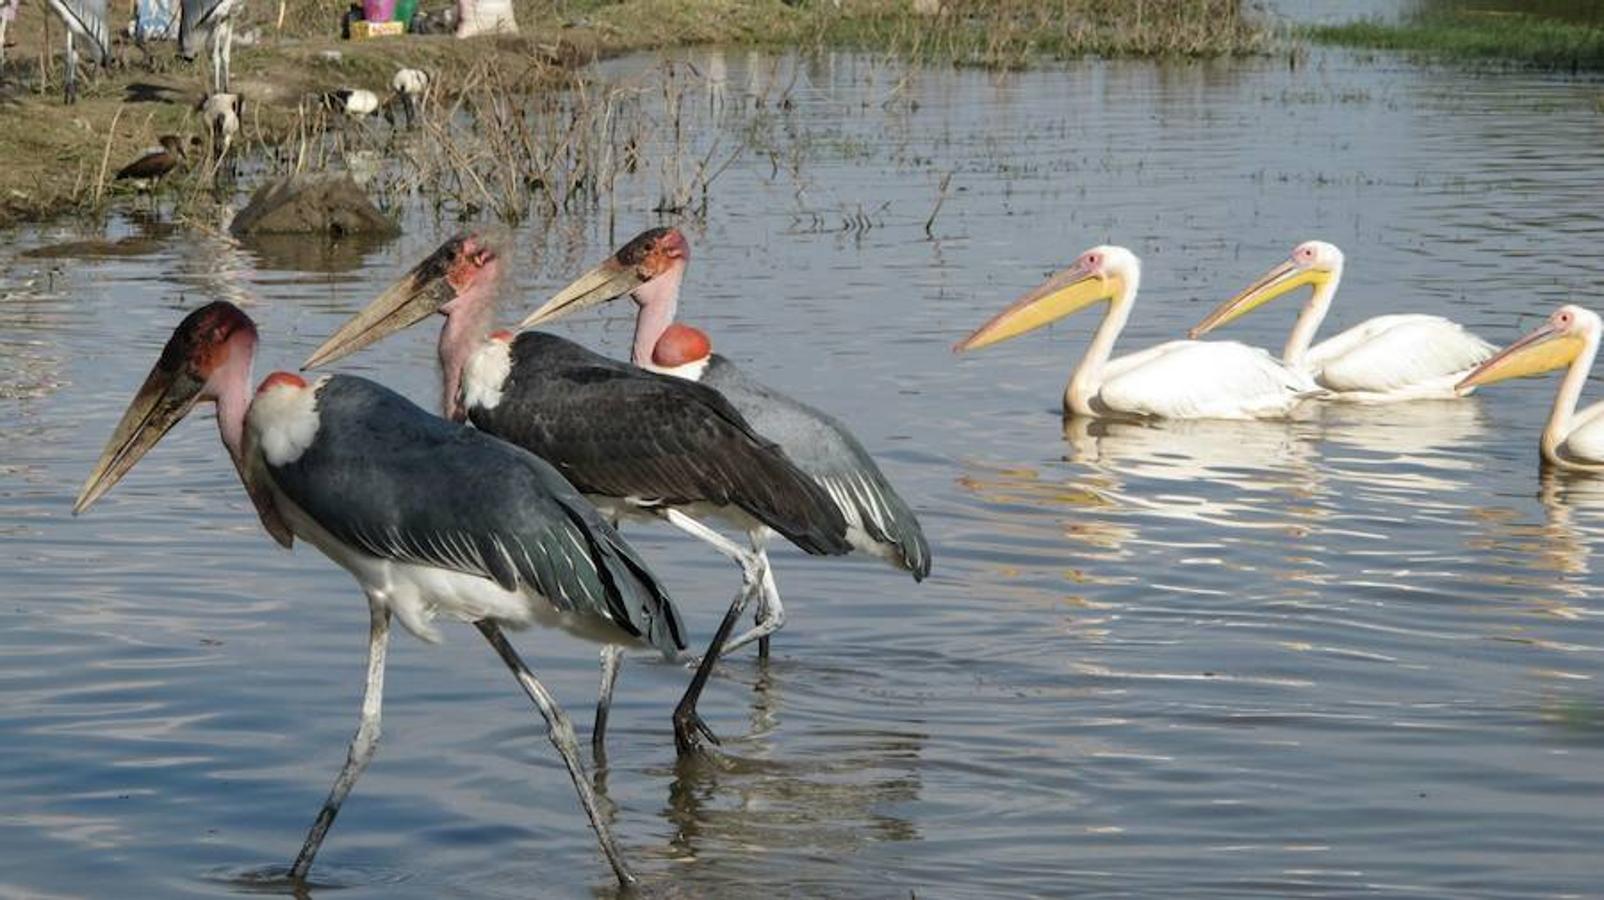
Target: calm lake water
{"type": "Point", "coordinates": [1355, 654]}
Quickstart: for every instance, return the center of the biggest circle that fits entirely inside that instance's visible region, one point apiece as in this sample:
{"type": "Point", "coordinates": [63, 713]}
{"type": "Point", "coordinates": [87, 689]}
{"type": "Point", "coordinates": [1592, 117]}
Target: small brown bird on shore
{"type": "Point", "coordinates": [156, 162]}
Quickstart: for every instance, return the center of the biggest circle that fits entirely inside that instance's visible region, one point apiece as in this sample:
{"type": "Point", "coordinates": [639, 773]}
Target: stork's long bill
{"type": "Point", "coordinates": [649, 255]}
{"type": "Point", "coordinates": [213, 342]}
{"type": "Point", "coordinates": [1283, 279]}
{"type": "Point", "coordinates": [1552, 345]}
{"type": "Point", "coordinates": [1067, 292]}
{"type": "Point", "coordinates": [433, 283]}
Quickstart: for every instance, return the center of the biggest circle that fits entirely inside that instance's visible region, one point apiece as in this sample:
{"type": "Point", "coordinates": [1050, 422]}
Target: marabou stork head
{"type": "Point", "coordinates": [207, 354]}
{"type": "Point", "coordinates": [463, 270]}
{"type": "Point", "coordinates": [650, 256]}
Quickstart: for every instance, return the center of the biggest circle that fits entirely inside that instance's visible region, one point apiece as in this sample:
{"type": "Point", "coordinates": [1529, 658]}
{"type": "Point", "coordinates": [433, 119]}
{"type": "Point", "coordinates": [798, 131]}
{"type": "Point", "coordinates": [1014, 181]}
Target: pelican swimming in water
{"type": "Point", "coordinates": [1572, 440]}
{"type": "Point", "coordinates": [1381, 360]}
{"type": "Point", "coordinates": [1175, 380]}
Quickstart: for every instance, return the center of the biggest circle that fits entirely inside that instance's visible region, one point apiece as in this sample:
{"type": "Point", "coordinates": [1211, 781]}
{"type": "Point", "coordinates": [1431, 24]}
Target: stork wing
{"type": "Point", "coordinates": [86, 19]}
{"type": "Point", "coordinates": [620, 431]}
{"type": "Point", "coordinates": [831, 455]}
{"type": "Point", "coordinates": [396, 482]}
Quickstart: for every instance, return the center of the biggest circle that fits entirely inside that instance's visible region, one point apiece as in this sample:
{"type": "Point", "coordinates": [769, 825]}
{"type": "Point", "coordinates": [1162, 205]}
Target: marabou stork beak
{"type": "Point", "coordinates": [1283, 279]}
{"type": "Point", "coordinates": [168, 394]}
{"type": "Point", "coordinates": [1546, 348]}
{"type": "Point", "coordinates": [1067, 292]}
{"type": "Point", "coordinates": [608, 281]}
{"type": "Point", "coordinates": [407, 302]}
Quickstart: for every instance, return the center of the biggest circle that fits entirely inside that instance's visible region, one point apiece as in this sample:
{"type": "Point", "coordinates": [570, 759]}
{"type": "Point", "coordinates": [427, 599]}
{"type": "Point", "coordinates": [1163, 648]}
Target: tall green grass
{"type": "Point", "coordinates": [1516, 38]}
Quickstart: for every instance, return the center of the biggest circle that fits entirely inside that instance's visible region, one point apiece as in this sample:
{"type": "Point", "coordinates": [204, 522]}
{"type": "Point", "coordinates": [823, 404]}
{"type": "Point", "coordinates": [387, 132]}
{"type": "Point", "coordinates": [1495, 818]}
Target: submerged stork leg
{"type": "Point", "coordinates": [363, 744]}
{"type": "Point", "coordinates": [561, 732]}
{"type": "Point", "coordinates": [611, 656]}
{"type": "Point", "coordinates": [688, 722]}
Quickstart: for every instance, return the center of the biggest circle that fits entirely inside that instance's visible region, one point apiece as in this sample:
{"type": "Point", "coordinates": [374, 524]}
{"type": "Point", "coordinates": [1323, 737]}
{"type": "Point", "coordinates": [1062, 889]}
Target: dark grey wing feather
{"type": "Point", "coordinates": [399, 483]}
{"type": "Point", "coordinates": [823, 448]}
{"type": "Point", "coordinates": [87, 21]}
{"type": "Point", "coordinates": [620, 431]}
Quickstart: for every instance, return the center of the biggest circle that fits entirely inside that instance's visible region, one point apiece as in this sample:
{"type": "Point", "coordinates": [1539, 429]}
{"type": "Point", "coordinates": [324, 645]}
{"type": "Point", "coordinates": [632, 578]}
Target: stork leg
{"type": "Point", "coordinates": [688, 722]}
{"type": "Point", "coordinates": [561, 733]}
{"type": "Point", "coordinates": [770, 612]}
{"type": "Point", "coordinates": [227, 27]}
{"type": "Point", "coordinates": [363, 744]}
{"type": "Point", "coordinates": [72, 70]}
{"type": "Point", "coordinates": [611, 656]}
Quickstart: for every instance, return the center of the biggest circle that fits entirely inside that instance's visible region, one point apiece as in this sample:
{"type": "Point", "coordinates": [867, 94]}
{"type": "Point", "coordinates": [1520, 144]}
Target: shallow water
{"type": "Point", "coordinates": [1357, 653]}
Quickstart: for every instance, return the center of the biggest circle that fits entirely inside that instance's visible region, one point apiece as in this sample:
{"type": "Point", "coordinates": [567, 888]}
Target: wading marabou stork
{"type": "Point", "coordinates": [430, 517]}
{"type": "Point", "coordinates": [1569, 340]}
{"type": "Point", "coordinates": [639, 444]}
{"type": "Point", "coordinates": [650, 268]}
{"type": "Point", "coordinates": [1174, 380]}
{"type": "Point", "coordinates": [213, 21]}
{"type": "Point", "coordinates": [1381, 360]}
{"type": "Point", "coordinates": [85, 21]}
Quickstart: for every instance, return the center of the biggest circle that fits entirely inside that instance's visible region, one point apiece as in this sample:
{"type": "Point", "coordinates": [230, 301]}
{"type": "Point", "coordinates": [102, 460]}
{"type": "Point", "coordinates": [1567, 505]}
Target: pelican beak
{"type": "Point", "coordinates": [1285, 278]}
{"type": "Point", "coordinates": [168, 394]}
{"type": "Point", "coordinates": [1544, 350]}
{"type": "Point", "coordinates": [1069, 291]}
{"type": "Point", "coordinates": [407, 302]}
{"type": "Point", "coordinates": [608, 281]}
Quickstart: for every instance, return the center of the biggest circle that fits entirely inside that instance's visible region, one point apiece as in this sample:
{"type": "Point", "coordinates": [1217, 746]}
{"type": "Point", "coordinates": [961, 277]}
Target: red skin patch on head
{"type": "Point", "coordinates": [286, 378]}
{"type": "Point", "coordinates": [502, 335]}
{"type": "Point", "coordinates": [679, 345]}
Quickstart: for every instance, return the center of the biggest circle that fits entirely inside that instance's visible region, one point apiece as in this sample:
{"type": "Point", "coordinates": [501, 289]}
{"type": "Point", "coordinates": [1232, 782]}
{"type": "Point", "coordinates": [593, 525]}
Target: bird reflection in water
{"type": "Point", "coordinates": [1420, 454]}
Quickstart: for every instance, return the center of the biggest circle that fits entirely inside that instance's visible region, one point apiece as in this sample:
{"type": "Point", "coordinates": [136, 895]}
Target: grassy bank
{"type": "Point", "coordinates": [1485, 36]}
{"type": "Point", "coordinates": [60, 159]}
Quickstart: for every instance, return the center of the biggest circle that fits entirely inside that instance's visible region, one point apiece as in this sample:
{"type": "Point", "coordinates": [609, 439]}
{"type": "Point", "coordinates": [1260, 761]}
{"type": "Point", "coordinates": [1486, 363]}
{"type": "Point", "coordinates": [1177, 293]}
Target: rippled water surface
{"type": "Point", "coordinates": [1357, 653]}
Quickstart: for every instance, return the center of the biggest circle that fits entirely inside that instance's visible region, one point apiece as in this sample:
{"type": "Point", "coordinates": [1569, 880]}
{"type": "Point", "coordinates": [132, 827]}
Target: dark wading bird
{"type": "Point", "coordinates": [430, 517]}
{"type": "Point", "coordinates": [650, 268]}
{"type": "Point", "coordinates": [156, 163]}
{"type": "Point", "coordinates": [85, 21]}
{"type": "Point", "coordinates": [211, 21]}
{"type": "Point", "coordinates": [637, 443]}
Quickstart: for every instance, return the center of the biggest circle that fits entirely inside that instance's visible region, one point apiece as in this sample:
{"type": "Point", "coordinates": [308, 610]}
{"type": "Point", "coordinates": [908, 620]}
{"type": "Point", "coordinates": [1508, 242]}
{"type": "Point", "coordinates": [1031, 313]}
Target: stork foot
{"type": "Point", "coordinates": [689, 730]}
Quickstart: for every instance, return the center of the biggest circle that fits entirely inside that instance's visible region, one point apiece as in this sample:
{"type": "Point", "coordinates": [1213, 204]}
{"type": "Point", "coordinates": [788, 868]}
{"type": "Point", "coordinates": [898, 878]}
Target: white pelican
{"type": "Point", "coordinates": [1380, 360]}
{"type": "Point", "coordinates": [1175, 380]}
{"type": "Point", "coordinates": [1572, 440]}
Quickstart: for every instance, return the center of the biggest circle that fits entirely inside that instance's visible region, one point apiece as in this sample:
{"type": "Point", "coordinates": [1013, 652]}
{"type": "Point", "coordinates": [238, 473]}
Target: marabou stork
{"type": "Point", "coordinates": [638, 443]}
{"type": "Point", "coordinates": [429, 516]}
{"type": "Point", "coordinates": [85, 21]}
{"type": "Point", "coordinates": [650, 268]}
{"type": "Point", "coordinates": [212, 20]}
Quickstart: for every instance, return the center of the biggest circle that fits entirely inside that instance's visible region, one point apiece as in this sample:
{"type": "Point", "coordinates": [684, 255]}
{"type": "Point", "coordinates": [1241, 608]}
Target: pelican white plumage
{"type": "Point", "coordinates": [1174, 380]}
{"type": "Point", "coordinates": [1571, 440]}
{"type": "Point", "coordinates": [1381, 360]}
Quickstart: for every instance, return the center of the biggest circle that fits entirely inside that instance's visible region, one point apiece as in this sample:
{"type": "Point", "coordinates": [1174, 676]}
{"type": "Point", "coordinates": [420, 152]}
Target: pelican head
{"type": "Point", "coordinates": [1102, 273]}
{"type": "Point", "coordinates": [657, 256]}
{"type": "Point", "coordinates": [1553, 345]}
{"type": "Point", "coordinates": [464, 269]}
{"type": "Point", "coordinates": [1311, 263]}
{"type": "Point", "coordinates": [208, 356]}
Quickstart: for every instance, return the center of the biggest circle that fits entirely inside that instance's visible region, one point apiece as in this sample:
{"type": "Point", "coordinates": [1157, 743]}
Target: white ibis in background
{"type": "Point", "coordinates": [85, 21]}
{"type": "Point", "coordinates": [650, 268]}
{"type": "Point", "coordinates": [222, 114]}
{"type": "Point", "coordinates": [356, 103]}
{"type": "Point", "coordinates": [430, 517]}
{"type": "Point", "coordinates": [408, 86]}
{"type": "Point", "coordinates": [1385, 359]}
{"type": "Point", "coordinates": [639, 444]}
{"type": "Point", "coordinates": [155, 163]}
